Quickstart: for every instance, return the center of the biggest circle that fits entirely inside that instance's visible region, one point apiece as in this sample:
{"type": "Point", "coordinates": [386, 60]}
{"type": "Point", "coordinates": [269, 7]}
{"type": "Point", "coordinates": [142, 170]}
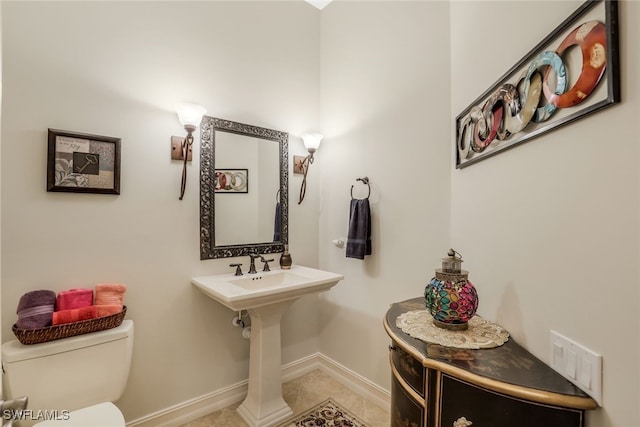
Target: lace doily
{"type": "Point", "coordinates": [480, 334]}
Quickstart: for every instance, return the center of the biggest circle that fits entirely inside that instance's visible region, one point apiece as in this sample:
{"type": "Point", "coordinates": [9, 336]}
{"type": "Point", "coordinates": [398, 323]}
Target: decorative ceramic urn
{"type": "Point", "coordinates": [450, 297]}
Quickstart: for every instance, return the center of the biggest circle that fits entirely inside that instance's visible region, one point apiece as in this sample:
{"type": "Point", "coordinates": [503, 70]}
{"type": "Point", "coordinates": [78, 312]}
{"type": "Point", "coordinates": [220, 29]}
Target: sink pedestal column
{"type": "Point", "coordinates": [264, 405]}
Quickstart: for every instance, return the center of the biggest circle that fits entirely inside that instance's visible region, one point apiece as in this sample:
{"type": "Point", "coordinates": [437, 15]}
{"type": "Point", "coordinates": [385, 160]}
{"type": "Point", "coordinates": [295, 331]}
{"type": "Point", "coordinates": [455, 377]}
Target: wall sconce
{"type": "Point", "coordinates": [301, 164]}
{"type": "Point", "coordinates": [190, 115]}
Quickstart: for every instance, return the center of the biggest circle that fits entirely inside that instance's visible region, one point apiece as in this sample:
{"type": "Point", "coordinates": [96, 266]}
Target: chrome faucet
{"type": "Point", "coordinates": [252, 267]}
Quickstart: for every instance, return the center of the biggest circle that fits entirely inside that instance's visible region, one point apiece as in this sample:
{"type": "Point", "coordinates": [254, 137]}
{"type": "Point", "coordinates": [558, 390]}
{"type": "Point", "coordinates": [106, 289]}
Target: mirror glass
{"type": "Point", "coordinates": [243, 189]}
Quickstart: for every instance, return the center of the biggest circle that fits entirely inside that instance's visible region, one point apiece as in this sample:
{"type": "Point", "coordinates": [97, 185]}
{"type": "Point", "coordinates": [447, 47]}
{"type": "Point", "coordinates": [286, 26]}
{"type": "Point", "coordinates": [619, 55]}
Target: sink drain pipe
{"type": "Point", "coordinates": [239, 323]}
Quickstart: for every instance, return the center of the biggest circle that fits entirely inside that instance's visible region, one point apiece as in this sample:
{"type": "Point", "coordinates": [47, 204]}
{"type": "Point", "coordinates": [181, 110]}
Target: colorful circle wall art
{"type": "Point", "coordinates": [571, 73]}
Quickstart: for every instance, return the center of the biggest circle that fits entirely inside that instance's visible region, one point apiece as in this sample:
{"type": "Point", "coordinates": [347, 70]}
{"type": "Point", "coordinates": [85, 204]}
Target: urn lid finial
{"type": "Point", "coordinates": [452, 263]}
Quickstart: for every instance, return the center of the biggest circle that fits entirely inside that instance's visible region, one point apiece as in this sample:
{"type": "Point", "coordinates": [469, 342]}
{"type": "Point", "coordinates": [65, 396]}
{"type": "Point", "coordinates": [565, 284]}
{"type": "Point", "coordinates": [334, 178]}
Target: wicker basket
{"type": "Point", "coordinates": [50, 333]}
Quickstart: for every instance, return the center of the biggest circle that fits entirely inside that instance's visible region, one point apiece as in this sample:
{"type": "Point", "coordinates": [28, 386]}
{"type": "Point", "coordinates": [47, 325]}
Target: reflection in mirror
{"type": "Point", "coordinates": [246, 215]}
{"type": "Point", "coordinates": [243, 189]}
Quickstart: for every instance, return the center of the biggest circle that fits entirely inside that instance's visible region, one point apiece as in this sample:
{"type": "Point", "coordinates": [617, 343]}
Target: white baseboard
{"type": "Point", "coordinates": [355, 382]}
{"type": "Point", "coordinates": [299, 367]}
{"type": "Point", "coordinates": [200, 406]}
{"type": "Point", "coordinates": [190, 410]}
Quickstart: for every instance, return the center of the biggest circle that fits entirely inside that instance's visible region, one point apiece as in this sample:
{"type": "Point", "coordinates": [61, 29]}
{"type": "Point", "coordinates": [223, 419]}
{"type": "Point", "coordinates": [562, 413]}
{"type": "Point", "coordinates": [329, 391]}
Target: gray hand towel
{"type": "Point", "coordinates": [359, 236]}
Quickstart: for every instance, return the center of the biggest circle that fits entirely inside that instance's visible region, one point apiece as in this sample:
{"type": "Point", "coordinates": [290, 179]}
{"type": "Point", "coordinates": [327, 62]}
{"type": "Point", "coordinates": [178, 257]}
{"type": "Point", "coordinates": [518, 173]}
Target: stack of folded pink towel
{"type": "Point", "coordinates": [79, 304]}
{"type": "Point", "coordinates": [38, 309]}
{"type": "Point", "coordinates": [74, 305]}
{"type": "Point", "coordinates": [109, 298]}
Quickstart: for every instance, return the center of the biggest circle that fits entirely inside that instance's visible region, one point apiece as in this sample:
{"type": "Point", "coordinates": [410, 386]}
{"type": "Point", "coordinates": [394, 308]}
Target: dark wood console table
{"type": "Point", "coordinates": [436, 386]}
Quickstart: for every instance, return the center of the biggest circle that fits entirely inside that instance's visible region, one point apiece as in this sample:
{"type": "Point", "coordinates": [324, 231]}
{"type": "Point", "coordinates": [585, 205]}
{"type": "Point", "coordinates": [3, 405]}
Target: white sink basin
{"type": "Point", "coordinates": [270, 280]}
{"type": "Point", "coordinates": [265, 296]}
{"type": "Point", "coordinates": [255, 290]}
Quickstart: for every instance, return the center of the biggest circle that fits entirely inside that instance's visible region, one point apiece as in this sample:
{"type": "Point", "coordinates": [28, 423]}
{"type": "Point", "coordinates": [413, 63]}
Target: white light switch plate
{"type": "Point", "coordinates": [578, 364]}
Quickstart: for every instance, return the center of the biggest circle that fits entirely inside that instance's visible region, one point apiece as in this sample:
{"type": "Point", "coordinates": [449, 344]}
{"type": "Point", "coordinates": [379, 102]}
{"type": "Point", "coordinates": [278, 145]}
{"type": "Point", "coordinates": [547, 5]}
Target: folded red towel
{"type": "Point", "coordinates": [108, 310]}
{"type": "Point", "coordinates": [35, 309]}
{"type": "Point", "coordinates": [74, 298]}
{"type": "Point", "coordinates": [74, 315]}
{"type": "Point", "coordinates": [110, 294]}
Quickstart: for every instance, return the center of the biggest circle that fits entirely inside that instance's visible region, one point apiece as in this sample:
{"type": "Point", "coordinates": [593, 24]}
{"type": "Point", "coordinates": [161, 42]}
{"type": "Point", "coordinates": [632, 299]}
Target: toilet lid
{"type": "Point", "coordinates": [101, 415]}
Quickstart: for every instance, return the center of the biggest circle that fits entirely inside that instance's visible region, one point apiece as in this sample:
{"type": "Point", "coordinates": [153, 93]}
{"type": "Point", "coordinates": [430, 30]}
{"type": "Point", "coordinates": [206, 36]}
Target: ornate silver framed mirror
{"type": "Point", "coordinates": [243, 189]}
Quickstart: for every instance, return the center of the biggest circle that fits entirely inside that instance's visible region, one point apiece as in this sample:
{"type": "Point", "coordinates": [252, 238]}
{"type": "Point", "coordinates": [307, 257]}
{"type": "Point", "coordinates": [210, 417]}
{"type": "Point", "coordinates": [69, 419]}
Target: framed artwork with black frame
{"type": "Point", "coordinates": [571, 73]}
{"type": "Point", "coordinates": [83, 163]}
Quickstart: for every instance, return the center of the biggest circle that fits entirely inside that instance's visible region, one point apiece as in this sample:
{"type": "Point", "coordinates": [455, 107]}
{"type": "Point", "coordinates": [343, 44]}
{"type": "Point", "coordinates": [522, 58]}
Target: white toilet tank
{"type": "Point", "coordinates": [70, 373]}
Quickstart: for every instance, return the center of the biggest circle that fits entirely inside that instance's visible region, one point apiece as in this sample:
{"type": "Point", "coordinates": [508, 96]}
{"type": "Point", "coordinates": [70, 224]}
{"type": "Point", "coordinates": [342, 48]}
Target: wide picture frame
{"type": "Point", "coordinates": [83, 163]}
{"type": "Point", "coordinates": [571, 73]}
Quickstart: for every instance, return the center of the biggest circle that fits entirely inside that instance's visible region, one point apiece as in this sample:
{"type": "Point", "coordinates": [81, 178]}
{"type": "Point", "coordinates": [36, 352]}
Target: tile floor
{"type": "Point", "coordinates": [304, 393]}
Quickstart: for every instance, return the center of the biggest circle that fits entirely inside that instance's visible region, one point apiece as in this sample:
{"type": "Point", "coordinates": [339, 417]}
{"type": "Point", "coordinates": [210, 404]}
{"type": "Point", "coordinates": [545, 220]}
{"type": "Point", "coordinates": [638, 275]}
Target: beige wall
{"type": "Point", "coordinates": [549, 229]}
{"type": "Point", "coordinates": [559, 214]}
{"type": "Point", "coordinates": [385, 104]}
{"type": "Point", "coordinates": [117, 69]}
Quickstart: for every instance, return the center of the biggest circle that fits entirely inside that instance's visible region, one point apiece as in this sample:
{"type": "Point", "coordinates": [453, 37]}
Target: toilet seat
{"type": "Point", "coordinates": [101, 415]}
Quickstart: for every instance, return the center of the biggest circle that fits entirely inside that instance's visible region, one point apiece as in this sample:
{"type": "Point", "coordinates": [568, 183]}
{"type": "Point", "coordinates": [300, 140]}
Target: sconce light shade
{"type": "Point", "coordinates": [312, 141]}
{"type": "Point", "coordinates": [190, 114]}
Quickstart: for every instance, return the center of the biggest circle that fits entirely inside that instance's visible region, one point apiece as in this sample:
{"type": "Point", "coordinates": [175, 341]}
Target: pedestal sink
{"type": "Point", "coordinates": [265, 295]}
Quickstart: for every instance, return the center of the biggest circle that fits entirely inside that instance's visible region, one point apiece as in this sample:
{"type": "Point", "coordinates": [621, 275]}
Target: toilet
{"type": "Point", "coordinates": [71, 381]}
